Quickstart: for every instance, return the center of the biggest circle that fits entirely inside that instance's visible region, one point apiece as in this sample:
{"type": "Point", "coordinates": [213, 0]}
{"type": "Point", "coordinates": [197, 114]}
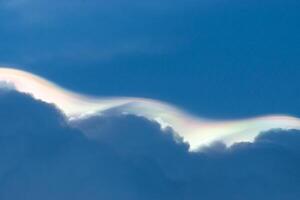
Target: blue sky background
{"type": "Point", "coordinates": [215, 58]}
{"type": "Point", "coordinates": [221, 59]}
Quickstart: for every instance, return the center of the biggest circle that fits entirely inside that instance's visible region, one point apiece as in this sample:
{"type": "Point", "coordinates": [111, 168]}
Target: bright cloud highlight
{"type": "Point", "coordinates": [197, 131]}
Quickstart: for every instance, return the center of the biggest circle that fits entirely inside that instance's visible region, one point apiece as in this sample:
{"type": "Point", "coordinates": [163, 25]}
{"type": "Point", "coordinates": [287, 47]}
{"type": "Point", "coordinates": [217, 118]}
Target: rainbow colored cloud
{"type": "Point", "coordinates": [197, 131]}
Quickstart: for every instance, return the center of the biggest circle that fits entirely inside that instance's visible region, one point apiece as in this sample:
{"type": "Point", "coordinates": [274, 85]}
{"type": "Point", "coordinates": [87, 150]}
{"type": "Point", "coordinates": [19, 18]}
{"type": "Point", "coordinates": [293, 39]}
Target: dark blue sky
{"type": "Point", "coordinates": [222, 59]}
{"type": "Point", "coordinates": [215, 58]}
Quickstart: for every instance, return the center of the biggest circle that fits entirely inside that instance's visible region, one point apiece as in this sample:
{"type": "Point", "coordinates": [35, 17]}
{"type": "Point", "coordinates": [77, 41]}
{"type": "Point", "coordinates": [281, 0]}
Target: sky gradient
{"type": "Point", "coordinates": [207, 59]}
{"type": "Point", "coordinates": [215, 58]}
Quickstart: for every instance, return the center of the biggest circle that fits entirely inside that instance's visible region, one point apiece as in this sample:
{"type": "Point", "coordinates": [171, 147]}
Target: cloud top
{"type": "Point", "coordinates": [131, 158]}
{"type": "Point", "coordinates": [197, 131]}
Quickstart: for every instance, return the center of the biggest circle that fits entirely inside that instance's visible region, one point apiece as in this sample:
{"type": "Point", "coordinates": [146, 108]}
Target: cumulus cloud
{"type": "Point", "coordinates": [43, 157]}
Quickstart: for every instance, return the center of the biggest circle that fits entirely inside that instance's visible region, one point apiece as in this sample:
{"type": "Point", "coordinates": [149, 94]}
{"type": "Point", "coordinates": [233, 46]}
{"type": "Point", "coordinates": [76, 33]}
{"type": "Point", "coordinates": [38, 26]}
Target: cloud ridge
{"type": "Point", "coordinates": [197, 131]}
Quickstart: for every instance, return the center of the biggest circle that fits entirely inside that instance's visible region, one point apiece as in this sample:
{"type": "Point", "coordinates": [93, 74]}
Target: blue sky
{"type": "Point", "coordinates": [215, 58]}
{"type": "Point", "coordinates": [223, 59]}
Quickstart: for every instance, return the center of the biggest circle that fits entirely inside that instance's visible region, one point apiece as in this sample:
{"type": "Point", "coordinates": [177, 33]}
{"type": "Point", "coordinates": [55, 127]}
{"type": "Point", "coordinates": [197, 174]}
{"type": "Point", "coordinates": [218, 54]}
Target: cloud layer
{"type": "Point", "coordinates": [197, 131]}
{"type": "Point", "coordinates": [130, 157]}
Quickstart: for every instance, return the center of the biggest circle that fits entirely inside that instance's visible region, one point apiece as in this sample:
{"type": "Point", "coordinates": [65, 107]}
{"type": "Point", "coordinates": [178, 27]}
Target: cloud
{"type": "Point", "coordinates": [43, 158]}
{"type": "Point", "coordinates": [195, 130]}
{"type": "Point", "coordinates": [129, 157]}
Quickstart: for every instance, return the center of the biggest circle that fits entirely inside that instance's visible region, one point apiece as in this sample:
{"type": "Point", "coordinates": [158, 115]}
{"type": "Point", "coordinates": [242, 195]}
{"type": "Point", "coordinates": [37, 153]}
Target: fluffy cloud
{"type": "Point", "coordinates": [126, 157]}
{"type": "Point", "coordinates": [42, 158]}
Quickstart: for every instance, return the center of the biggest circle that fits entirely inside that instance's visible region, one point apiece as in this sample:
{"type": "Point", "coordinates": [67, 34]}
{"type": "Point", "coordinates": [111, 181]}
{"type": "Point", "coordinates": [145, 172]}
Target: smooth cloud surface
{"type": "Point", "coordinates": [198, 132]}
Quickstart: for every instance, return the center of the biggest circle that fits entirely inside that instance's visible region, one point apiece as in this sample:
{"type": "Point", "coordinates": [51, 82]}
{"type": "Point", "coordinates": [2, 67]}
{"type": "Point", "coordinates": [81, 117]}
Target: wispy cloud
{"type": "Point", "coordinates": [197, 131]}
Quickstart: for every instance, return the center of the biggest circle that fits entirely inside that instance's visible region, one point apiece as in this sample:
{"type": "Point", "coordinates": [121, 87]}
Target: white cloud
{"type": "Point", "coordinates": [196, 131]}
